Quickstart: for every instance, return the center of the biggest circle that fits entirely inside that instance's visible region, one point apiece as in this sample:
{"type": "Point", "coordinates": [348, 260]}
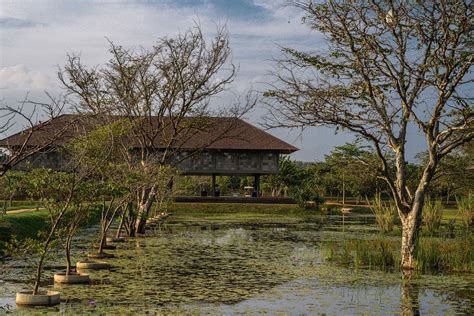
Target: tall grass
{"type": "Point", "coordinates": [453, 255]}
{"type": "Point", "coordinates": [432, 215]}
{"type": "Point", "coordinates": [466, 210]}
{"type": "Point", "coordinates": [433, 254]}
{"type": "Point", "coordinates": [375, 254]}
{"type": "Point", "coordinates": [384, 214]}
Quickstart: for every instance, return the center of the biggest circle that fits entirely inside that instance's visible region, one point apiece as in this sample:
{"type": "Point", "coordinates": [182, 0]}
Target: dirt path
{"type": "Point", "coordinates": [25, 210]}
{"type": "Point", "coordinates": [347, 204]}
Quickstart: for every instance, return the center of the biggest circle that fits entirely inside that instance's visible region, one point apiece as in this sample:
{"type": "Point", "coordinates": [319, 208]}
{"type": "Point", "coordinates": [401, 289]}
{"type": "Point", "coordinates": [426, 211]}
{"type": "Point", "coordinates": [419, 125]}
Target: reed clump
{"type": "Point", "coordinates": [374, 254]}
{"type": "Point", "coordinates": [466, 210]}
{"type": "Point", "coordinates": [384, 213]}
{"type": "Point", "coordinates": [433, 255]}
{"type": "Point", "coordinates": [432, 215]}
{"type": "Point", "coordinates": [451, 255]}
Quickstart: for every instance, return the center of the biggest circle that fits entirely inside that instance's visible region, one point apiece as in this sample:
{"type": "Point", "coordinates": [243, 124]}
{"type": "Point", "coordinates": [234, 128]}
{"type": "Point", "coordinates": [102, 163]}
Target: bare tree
{"type": "Point", "coordinates": [385, 67]}
{"type": "Point", "coordinates": [27, 114]}
{"type": "Point", "coordinates": [156, 91]}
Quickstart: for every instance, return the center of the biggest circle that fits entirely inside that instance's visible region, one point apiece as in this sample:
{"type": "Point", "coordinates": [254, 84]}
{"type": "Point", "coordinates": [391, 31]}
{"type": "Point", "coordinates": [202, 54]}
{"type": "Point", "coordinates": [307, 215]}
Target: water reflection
{"type": "Point", "coordinates": [409, 295]}
{"type": "Point", "coordinates": [223, 267]}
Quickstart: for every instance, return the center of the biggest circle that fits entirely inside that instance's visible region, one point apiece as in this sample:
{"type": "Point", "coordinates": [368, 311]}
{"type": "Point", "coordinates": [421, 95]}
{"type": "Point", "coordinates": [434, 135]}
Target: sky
{"type": "Point", "coordinates": [36, 35]}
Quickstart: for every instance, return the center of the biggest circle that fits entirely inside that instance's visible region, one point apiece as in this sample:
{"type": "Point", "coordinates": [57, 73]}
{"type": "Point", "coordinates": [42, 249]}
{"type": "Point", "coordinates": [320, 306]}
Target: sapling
{"type": "Point", "coordinates": [55, 192]}
{"type": "Point", "coordinates": [109, 214]}
{"type": "Point", "coordinates": [77, 214]}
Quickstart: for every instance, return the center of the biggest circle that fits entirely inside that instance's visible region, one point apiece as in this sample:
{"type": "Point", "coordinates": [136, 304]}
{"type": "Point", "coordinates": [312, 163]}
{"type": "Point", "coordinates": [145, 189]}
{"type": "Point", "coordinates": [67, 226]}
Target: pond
{"type": "Point", "coordinates": [227, 264]}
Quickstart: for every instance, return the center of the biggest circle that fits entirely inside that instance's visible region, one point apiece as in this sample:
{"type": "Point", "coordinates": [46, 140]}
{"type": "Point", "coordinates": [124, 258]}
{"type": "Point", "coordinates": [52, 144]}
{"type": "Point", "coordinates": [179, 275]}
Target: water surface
{"type": "Point", "coordinates": [229, 264]}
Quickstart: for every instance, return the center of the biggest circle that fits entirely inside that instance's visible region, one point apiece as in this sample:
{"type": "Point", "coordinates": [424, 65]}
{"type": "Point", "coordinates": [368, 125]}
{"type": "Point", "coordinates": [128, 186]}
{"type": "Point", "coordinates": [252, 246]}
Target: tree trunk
{"type": "Point", "coordinates": [143, 208]}
{"type": "Point", "coordinates": [143, 212]}
{"type": "Point", "coordinates": [122, 220]}
{"type": "Point", "coordinates": [343, 190]}
{"type": "Point", "coordinates": [68, 255]}
{"type": "Point", "coordinates": [103, 240]}
{"type": "Point", "coordinates": [411, 223]}
{"type": "Point", "coordinates": [39, 270]}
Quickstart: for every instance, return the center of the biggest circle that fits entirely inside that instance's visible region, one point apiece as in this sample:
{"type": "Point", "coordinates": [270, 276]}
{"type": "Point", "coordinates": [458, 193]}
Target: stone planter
{"type": "Point", "coordinates": [113, 239]}
{"type": "Point", "coordinates": [100, 255]}
{"type": "Point", "coordinates": [92, 265]}
{"type": "Point", "coordinates": [72, 278]}
{"type": "Point", "coordinates": [42, 299]}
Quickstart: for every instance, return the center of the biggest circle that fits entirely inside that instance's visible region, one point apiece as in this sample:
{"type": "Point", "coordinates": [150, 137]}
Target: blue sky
{"type": "Point", "coordinates": [36, 35]}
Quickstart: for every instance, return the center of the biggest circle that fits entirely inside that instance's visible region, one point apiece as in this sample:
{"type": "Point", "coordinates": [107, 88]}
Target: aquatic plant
{"type": "Point", "coordinates": [384, 214]}
{"type": "Point", "coordinates": [466, 210]}
{"type": "Point", "coordinates": [432, 215]}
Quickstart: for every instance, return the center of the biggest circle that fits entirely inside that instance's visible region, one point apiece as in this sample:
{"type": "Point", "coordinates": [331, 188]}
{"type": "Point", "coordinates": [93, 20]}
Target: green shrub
{"type": "Point", "coordinates": [384, 214]}
{"type": "Point", "coordinates": [432, 215]}
{"type": "Point", "coordinates": [306, 196]}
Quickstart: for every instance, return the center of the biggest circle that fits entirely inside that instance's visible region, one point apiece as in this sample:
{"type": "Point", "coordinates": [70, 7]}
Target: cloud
{"type": "Point", "coordinates": [9, 22]}
{"type": "Point", "coordinates": [20, 77]}
{"type": "Point", "coordinates": [44, 31]}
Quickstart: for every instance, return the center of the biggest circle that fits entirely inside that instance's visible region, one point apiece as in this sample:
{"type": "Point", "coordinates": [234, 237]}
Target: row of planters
{"type": "Point", "coordinates": [70, 200]}
{"type": "Point", "coordinates": [91, 181]}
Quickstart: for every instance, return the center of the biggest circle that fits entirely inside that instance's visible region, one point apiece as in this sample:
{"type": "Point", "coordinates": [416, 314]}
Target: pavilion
{"type": "Point", "coordinates": [225, 146]}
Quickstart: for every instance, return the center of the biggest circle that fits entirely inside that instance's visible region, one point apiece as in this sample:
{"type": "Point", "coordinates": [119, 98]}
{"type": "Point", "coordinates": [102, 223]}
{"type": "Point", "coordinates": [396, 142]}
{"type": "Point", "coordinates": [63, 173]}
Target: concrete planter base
{"type": "Point", "coordinates": [42, 299]}
{"type": "Point", "coordinates": [100, 255]}
{"type": "Point", "coordinates": [92, 265]}
{"type": "Point", "coordinates": [113, 239]}
{"type": "Point", "coordinates": [72, 278]}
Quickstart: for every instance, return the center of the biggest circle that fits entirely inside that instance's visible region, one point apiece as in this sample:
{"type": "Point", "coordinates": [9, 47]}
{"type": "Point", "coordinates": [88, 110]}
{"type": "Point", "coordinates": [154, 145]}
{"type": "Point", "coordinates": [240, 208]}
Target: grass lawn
{"type": "Point", "coordinates": [29, 224]}
{"type": "Point", "coordinates": [238, 212]}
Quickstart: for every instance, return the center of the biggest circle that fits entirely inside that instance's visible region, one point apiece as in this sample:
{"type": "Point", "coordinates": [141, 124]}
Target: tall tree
{"type": "Point", "coordinates": [387, 66]}
{"type": "Point", "coordinates": [157, 90]}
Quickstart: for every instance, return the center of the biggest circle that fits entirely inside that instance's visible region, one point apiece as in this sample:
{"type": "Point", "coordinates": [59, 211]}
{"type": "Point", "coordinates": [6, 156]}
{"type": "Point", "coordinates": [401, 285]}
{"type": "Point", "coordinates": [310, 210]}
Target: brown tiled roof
{"type": "Point", "coordinates": [220, 133]}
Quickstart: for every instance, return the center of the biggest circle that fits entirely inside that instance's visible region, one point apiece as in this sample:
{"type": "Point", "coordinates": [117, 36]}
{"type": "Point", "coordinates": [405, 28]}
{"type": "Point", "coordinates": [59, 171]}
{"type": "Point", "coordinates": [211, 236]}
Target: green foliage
{"type": "Point", "coordinates": [384, 214]}
{"type": "Point", "coordinates": [306, 196]}
{"type": "Point", "coordinates": [453, 179]}
{"type": "Point", "coordinates": [466, 210]}
{"type": "Point", "coordinates": [11, 184]}
{"type": "Point", "coordinates": [432, 214]}
{"type": "Point", "coordinates": [289, 176]}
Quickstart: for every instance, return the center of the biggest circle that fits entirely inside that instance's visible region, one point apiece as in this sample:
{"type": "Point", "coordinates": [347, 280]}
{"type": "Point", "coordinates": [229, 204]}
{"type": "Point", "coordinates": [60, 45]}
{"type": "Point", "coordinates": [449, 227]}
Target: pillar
{"type": "Point", "coordinates": [213, 185]}
{"type": "Point", "coordinates": [256, 185]}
